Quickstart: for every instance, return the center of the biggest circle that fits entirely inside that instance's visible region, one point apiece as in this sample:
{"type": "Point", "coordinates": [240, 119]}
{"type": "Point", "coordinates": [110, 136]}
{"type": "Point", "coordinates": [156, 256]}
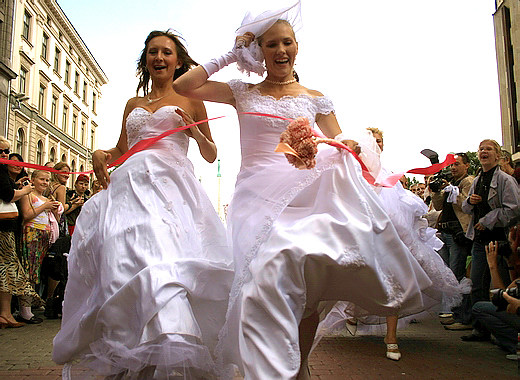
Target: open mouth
{"type": "Point", "coordinates": [282, 61]}
{"type": "Point", "coordinates": [159, 67]}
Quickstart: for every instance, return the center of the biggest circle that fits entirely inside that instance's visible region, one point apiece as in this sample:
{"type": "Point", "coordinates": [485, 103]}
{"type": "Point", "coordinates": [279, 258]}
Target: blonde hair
{"type": "Point", "coordinates": [5, 141]}
{"type": "Point", "coordinates": [35, 173]}
{"type": "Point", "coordinates": [375, 131]}
{"type": "Point", "coordinates": [496, 146]}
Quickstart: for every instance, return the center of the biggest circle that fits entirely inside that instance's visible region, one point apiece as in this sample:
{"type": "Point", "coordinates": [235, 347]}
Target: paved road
{"type": "Point", "coordinates": [429, 352]}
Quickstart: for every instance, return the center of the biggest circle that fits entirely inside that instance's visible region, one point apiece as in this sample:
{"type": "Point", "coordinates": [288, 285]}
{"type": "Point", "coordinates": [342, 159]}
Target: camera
{"type": "Point", "coordinates": [25, 183]}
{"type": "Point", "coordinates": [497, 296]}
{"type": "Point", "coordinates": [438, 179]}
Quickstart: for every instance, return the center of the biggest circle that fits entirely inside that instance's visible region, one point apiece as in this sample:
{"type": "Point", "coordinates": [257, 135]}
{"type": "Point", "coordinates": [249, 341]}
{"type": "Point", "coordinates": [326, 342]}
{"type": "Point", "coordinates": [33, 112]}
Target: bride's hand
{"type": "Point", "coordinates": [244, 40]}
{"type": "Point", "coordinates": [99, 164]}
{"type": "Point", "coordinates": [194, 130]}
{"type": "Point", "coordinates": [352, 144]}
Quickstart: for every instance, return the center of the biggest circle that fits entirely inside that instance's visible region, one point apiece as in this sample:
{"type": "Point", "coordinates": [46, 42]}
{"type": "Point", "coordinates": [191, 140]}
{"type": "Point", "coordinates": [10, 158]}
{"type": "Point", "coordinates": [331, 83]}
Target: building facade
{"type": "Point", "coordinates": [54, 99]}
{"type": "Point", "coordinates": [6, 73]}
{"type": "Point", "coordinates": [507, 42]}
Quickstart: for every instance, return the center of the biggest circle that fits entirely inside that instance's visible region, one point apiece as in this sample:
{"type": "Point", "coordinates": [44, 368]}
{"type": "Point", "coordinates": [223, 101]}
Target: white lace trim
{"type": "Point", "coordinates": [303, 105]}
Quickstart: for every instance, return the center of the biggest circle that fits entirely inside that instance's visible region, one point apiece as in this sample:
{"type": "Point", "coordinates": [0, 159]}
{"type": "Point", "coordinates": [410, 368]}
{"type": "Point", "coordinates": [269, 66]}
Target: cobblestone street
{"type": "Point", "coordinates": [429, 352]}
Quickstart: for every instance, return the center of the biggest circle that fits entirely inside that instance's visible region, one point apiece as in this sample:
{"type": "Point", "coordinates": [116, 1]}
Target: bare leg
{"type": "Point", "coordinates": [392, 350]}
{"type": "Point", "coordinates": [5, 307]}
{"type": "Point", "coordinates": [307, 332]}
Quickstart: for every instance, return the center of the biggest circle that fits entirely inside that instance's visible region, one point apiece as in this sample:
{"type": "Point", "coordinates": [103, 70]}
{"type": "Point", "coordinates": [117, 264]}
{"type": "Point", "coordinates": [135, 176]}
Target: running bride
{"type": "Point", "coordinates": [300, 237]}
{"type": "Point", "coordinates": [149, 267]}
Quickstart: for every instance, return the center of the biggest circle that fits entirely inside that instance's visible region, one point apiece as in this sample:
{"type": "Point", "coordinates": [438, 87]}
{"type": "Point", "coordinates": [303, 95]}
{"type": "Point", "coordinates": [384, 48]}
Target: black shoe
{"type": "Point", "coordinates": [51, 311]}
{"type": "Point", "coordinates": [33, 321]}
{"type": "Point", "coordinates": [475, 338]}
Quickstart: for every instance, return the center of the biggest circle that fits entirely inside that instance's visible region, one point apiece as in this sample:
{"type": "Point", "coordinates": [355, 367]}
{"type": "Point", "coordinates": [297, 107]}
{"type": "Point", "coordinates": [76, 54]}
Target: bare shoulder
{"type": "Point", "coordinates": [133, 102]}
{"type": "Point", "coordinates": [313, 93]}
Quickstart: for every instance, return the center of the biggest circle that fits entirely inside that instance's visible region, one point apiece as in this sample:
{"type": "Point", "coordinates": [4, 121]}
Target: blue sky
{"type": "Point", "coordinates": [422, 71]}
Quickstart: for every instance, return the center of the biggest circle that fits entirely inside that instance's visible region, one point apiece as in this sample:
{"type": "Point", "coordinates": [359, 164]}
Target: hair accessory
{"type": "Point", "coordinates": [250, 59]}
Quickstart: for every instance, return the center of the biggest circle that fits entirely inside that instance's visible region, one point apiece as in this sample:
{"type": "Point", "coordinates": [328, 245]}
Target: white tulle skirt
{"type": "Point", "coordinates": [406, 211]}
{"type": "Point", "coordinates": [149, 276]}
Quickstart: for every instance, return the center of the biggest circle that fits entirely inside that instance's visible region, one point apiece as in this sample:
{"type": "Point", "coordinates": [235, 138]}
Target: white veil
{"type": "Point", "coordinates": [251, 59]}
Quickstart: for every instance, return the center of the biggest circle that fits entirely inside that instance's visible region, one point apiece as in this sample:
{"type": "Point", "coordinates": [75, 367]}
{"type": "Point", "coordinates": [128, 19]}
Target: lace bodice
{"type": "Point", "coordinates": [259, 135]}
{"type": "Point", "coordinates": [142, 124]}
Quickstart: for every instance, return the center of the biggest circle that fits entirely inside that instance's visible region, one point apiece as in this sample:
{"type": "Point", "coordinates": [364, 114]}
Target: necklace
{"type": "Point", "coordinates": [280, 83]}
{"type": "Point", "coordinates": [154, 100]}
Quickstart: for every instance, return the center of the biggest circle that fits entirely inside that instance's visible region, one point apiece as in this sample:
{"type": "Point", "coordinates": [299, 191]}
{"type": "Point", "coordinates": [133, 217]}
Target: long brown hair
{"type": "Point", "coordinates": [182, 56]}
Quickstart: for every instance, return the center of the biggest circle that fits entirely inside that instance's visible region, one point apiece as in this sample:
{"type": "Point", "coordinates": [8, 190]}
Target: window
{"type": "Point", "coordinates": [65, 118]}
{"type": "Point", "coordinates": [39, 153]}
{"type": "Point", "coordinates": [45, 45]}
{"type": "Point", "coordinates": [94, 96]}
{"type": "Point", "coordinates": [85, 88]}
{"type": "Point", "coordinates": [57, 57]}
{"type": "Point", "coordinates": [52, 155]}
{"type": "Point", "coordinates": [76, 82]}
{"type": "Point", "coordinates": [22, 84]}
{"type": "Point", "coordinates": [20, 141]}
{"type": "Point", "coordinates": [82, 137]}
{"type": "Point", "coordinates": [92, 139]}
{"type": "Point", "coordinates": [67, 72]}
{"type": "Point", "coordinates": [64, 157]}
{"type": "Point", "coordinates": [54, 106]}
{"type": "Point", "coordinates": [74, 125]}
{"type": "Point", "coordinates": [26, 25]}
{"type": "Point", "coordinates": [73, 168]}
{"type": "Point", "coordinates": [41, 99]}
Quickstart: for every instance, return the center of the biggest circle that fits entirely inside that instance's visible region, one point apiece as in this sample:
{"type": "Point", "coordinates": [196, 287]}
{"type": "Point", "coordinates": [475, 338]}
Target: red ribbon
{"type": "Point", "coordinates": [389, 181]}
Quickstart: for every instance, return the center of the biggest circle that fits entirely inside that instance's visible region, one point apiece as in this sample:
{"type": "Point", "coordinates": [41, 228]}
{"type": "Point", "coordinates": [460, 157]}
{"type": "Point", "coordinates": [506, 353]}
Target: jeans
{"type": "Point", "coordinates": [504, 327]}
{"type": "Point", "coordinates": [480, 276]}
{"type": "Point", "coordinates": [454, 255]}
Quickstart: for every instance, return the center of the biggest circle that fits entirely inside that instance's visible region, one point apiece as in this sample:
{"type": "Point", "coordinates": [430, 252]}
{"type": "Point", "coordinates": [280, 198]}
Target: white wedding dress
{"type": "Point", "coordinates": [149, 267]}
{"type": "Point", "coordinates": [301, 237]}
{"type": "Point", "coordinates": [406, 211]}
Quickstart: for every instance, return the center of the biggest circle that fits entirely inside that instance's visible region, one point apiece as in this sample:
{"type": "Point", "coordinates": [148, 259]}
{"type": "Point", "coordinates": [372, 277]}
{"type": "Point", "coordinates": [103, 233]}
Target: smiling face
{"type": "Point", "coordinates": [161, 58]}
{"type": "Point", "coordinates": [41, 181]}
{"type": "Point", "coordinates": [63, 177]}
{"type": "Point", "coordinates": [280, 48]}
{"type": "Point", "coordinates": [14, 170]}
{"type": "Point", "coordinates": [488, 154]}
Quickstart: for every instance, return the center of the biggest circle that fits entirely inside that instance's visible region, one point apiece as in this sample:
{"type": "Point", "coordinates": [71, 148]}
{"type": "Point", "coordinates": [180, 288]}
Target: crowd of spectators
{"type": "Point", "coordinates": [477, 219]}
{"type": "Point", "coordinates": [37, 217]}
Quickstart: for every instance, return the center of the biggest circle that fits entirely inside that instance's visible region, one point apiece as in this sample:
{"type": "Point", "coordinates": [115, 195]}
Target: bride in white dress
{"type": "Point", "coordinates": [149, 268]}
{"type": "Point", "coordinates": [302, 239]}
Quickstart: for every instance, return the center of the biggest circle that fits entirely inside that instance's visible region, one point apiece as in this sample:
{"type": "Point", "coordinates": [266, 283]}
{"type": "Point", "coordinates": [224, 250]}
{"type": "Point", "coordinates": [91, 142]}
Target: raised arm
{"type": "Point", "coordinates": [195, 84]}
{"type": "Point", "coordinates": [101, 158]}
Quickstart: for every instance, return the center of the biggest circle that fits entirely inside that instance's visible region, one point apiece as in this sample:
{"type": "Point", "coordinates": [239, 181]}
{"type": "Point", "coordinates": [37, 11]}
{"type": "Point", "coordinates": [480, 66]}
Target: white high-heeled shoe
{"type": "Point", "coordinates": [392, 351]}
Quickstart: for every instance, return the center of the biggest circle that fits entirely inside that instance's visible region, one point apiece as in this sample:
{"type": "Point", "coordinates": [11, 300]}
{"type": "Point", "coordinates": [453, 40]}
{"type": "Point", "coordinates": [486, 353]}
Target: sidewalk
{"type": "Point", "coordinates": [429, 352]}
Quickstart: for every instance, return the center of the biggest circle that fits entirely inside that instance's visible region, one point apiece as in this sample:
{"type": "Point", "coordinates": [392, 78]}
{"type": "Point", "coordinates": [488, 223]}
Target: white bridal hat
{"type": "Point", "coordinates": [250, 59]}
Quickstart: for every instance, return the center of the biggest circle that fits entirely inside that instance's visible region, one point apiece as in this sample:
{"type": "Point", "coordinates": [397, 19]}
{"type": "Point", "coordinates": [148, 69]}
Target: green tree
{"type": "Point", "coordinates": [474, 163]}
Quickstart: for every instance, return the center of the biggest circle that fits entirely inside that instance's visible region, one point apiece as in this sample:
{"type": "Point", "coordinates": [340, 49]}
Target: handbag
{"type": "Point", "coordinates": [8, 210]}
